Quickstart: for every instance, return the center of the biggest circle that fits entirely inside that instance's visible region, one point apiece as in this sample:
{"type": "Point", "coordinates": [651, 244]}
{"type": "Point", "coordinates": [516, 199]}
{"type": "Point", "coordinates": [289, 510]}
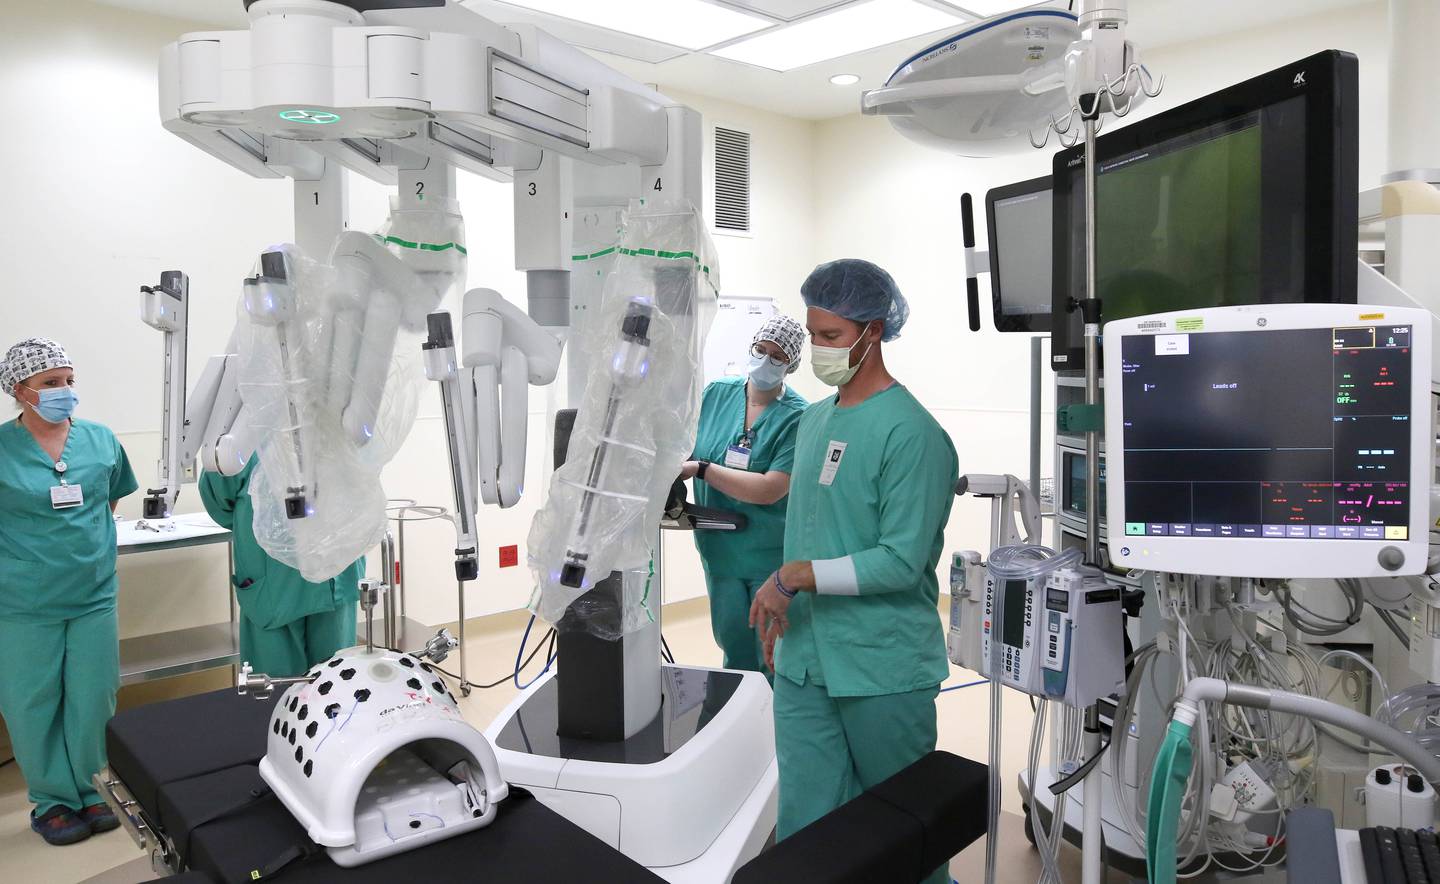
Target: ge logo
{"type": "Point", "coordinates": [1262, 322]}
{"type": "Point", "coordinates": [1124, 550]}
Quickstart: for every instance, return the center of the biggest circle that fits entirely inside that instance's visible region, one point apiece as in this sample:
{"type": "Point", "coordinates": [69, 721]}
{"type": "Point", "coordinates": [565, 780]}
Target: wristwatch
{"type": "Point", "coordinates": [700, 470]}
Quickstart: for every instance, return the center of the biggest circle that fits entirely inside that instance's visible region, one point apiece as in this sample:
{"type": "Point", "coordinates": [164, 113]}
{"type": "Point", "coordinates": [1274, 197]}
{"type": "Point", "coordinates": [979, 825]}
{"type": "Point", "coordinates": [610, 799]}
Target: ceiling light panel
{"type": "Point", "coordinates": [578, 33]}
{"type": "Point", "coordinates": [842, 32]}
{"type": "Point", "coordinates": [786, 10]}
{"type": "Point", "coordinates": [692, 24]}
{"type": "Point", "coordinates": [987, 8]}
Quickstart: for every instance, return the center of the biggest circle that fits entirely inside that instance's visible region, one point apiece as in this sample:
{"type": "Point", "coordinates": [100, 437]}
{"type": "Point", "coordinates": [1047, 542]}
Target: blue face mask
{"type": "Point", "coordinates": [56, 405]}
{"type": "Point", "coordinates": [766, 375]}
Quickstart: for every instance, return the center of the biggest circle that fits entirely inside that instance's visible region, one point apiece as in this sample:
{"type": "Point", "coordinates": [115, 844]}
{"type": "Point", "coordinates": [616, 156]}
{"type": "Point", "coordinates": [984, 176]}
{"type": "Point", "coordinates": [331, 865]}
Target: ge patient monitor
{"type": "Point", "coordinates": [1277, 440]}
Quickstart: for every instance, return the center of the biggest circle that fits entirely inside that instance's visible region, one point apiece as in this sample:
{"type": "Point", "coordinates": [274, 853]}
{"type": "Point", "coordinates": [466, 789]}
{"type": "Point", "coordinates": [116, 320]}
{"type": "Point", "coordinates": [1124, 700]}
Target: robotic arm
{"type": "Point", "coordinates": [485, 398]}
{"type": "Point", "coordinates": [166, 307]}
{"type": "Point", "coordinates": [507, 351]}
{"type": "Point", "coordinates": [271, 302]}
{"type": "Point", "coordinates": [208, 425]}
{"type": "Point", "coordinates": [629, 368]}
{"type": "Point", "coordinates": [378, 283]}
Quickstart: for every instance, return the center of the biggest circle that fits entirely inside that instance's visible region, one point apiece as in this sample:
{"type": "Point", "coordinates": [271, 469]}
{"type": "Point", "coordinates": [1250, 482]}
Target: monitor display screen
{"type": "Point", "coordinates": [1245, 196]}
{"type": "Point", "coordinates": [1021, 229]}
{"type": "Point", "coordinates": [1269, 434]}
{"type": "Point", "coordinates": [1179, 224]}
{"type": "Point", "coordinates": [1074, 489]}
{"type": "Point", "coordinates": [1014, 628]}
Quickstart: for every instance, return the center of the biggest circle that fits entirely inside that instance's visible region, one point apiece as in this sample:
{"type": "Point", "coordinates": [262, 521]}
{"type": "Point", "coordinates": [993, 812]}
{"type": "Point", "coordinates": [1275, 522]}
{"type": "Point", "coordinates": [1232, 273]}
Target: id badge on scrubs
{"type": "Point", "coordinates": [64, 497]}
{"type": "Point", "coordinates": [737, 457]}
{"type": "Point", "coordinates": [833, 453]}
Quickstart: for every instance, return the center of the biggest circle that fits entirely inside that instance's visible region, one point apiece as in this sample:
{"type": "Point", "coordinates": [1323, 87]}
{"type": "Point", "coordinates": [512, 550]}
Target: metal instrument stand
{"type": "Point", "coordinates": [402, 510]}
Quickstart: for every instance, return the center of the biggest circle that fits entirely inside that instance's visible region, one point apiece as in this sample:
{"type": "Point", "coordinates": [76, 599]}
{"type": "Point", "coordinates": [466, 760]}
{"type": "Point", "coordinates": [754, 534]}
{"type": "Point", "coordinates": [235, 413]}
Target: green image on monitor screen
{"type": "Point", "coordinates": [1181, 228]}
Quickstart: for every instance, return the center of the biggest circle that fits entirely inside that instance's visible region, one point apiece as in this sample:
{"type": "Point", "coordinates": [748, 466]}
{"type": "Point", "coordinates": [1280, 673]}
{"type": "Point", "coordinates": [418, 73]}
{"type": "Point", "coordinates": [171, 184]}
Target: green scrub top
{"type": "Point", "coordinates": [275, 594]}
{"type": "Point", "coordinates": [59, 564]}
{"type": "Point", "coordinates": [869, 499]}
{"type": "Point", "coordinates": [755, 551]}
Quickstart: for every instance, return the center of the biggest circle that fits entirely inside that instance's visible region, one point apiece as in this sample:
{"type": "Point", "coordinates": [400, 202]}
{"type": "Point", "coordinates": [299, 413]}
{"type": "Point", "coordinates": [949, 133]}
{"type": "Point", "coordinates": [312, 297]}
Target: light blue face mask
{"type": "Point", "coordinates": [56, 405]}
{"type": "Point", "coordinates": [766, 375]}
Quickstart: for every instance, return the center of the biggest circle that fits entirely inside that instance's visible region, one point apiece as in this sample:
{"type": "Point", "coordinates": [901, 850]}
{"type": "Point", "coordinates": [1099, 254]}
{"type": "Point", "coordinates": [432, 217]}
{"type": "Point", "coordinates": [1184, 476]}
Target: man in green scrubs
{"type": "Point", "coordinates": [863, 653]}
{"type": "Point", "coordinates": [60, 480]}
{"type": "Point", "coordinates": [744, 451]}
{"type": "Point", "coordinates": [287, 624]}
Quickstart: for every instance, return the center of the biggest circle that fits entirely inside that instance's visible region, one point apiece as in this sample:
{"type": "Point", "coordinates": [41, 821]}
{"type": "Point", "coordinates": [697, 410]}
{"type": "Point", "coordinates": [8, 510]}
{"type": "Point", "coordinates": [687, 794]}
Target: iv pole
{"type": "Point", "coordinates": [1089, 107]}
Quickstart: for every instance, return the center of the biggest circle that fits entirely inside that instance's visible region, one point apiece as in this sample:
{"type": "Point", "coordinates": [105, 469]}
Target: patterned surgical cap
{"type": "Point", "coordinates": [29, 358]}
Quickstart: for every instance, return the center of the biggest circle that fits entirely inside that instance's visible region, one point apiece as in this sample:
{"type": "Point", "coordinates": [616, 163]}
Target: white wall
{"type": "Point", "coordinates": [882, 198]}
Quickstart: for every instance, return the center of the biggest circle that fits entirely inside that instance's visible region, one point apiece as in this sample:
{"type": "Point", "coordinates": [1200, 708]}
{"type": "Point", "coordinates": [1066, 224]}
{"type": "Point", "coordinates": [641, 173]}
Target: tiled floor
{"type": "Point", "coordinates": [491, 649]}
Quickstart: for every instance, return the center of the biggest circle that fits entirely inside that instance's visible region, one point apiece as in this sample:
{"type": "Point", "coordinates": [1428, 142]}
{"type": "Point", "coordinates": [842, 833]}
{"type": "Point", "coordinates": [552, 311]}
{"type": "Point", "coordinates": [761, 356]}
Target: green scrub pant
{"type": "Point", "coordinates": [57, 690]}
{"type": "Point", "coordinates": [291, 649]}
{"type": "Point", "coordinates": [730, 600]}
{"type": "Point", "coordinates": [830, 749]}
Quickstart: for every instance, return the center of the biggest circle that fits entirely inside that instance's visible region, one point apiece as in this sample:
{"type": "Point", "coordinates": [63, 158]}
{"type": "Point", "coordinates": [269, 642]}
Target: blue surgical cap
{"type": "Point", "coordinates": [857, 290]}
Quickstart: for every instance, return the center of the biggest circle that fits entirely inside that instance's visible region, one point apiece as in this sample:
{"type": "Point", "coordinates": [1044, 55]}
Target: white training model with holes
{"type": "Point", "coordinates": [373, 757]}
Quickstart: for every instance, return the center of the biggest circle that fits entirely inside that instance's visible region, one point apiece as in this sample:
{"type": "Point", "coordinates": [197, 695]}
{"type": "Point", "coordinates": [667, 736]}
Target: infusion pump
{"type": "Point", "coordinates": [1060, 636]}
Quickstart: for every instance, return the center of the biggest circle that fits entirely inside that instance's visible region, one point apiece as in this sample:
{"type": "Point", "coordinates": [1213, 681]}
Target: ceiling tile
{"type": "Point", "coordinates": [579, 33]}
{"type": "Point", "coordinates": [691, 24]}
{"type": "Point", "coordinates": [843, 32]}
{"type": "Point", "coordinates": [786, 10]}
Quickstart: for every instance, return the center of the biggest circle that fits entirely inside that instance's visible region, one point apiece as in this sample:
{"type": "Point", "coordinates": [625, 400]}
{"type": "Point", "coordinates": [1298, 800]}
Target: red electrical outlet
{"type": "Point", "coordinates": [509, 556]}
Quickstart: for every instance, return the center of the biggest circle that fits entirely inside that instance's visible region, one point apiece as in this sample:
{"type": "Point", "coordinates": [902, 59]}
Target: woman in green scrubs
{"type": "Point", "coordinates": [60, 480]}
{"type": "Point", "coordinates": [744, 449]}
{"type": "Point", "coordinates": [287, 624]}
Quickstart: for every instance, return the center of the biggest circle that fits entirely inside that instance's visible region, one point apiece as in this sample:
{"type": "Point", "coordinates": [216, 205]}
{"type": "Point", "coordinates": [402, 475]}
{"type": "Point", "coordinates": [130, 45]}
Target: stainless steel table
{"type": "Point", "coordinates": [165, 654]}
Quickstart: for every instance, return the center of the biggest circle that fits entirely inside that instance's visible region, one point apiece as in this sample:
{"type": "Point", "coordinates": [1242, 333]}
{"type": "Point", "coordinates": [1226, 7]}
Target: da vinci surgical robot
{"type": "Point", "coordinates": [405, 92]}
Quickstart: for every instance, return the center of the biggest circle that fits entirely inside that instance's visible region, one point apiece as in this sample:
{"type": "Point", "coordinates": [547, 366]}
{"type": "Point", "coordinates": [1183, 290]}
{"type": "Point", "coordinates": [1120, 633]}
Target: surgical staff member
{"type": "Point", "coordinates": [862, 654]}
{"type": "Point", "coordinates": [60, 479]}
{"type": "Point", "coordinates": [744, 451]}
{"type": "Point", "coordinates": [287, 624]}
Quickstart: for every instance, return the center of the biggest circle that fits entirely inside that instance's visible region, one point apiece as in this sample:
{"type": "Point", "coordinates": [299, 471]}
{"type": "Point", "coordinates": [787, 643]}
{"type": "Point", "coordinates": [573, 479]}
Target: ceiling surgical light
{"type": "Point", "coordinates": [842, 32]}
